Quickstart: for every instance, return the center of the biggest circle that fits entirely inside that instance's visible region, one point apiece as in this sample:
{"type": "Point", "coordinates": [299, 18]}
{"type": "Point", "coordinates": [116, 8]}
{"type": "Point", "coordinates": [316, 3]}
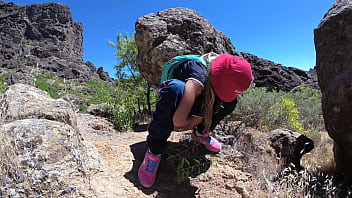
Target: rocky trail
{"type": "Point", "coordinates": [58, 152]}
{"type": "Point", "coordinates": [122, 153]}
{"type": "Point", "coordinates": [50, 149]}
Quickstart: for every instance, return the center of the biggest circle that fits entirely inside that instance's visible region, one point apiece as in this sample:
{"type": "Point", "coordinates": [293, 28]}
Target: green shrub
{"type": "Point", "coordinates": [42, 82]}
{"type": "Point", "coordinates": [308, 103]}
{"type": "Point", "coordinates": [2, 85]}
{"type": "Point", "coordinates": [134, 98]}
{"type": "Point", "coordinates": [300, 111]}
{"type": "Point", "coordinates": [130, 102]}
{"type": "Point", "coordinates": [187, 162]}
{"type": "Point", "coordinates": [285, 114]}
{"type": "Point", "coordinates": [103, 92]}
{"type": "Point", "coordinates": [254, 105]}
{"type": "Point", "coordinates": [122, 116]}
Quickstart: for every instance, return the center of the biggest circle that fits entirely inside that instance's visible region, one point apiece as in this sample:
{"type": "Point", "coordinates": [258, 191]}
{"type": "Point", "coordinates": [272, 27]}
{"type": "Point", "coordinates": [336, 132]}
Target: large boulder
{"type": "Point", "coordinates": [333, 43]}
{"type": "Point", "coordinates": [25, 102]}
{"type": "Point", "coordinates": [48, 152]}
{"type": "Point", "coordinates": [179, 31]}
{"type": "Point", "coordinates": [173, 32]}
{"type": "Point", "coordinates": [42, 151]}
{"type": "Point", "coordinates": [42, 36]}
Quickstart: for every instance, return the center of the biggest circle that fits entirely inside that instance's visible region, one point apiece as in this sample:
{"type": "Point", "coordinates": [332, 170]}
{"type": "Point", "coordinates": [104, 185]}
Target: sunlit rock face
{"type": "Point", "coordinates": [43, 145]}
{"type": "Point", "coordinates": [173, 32]}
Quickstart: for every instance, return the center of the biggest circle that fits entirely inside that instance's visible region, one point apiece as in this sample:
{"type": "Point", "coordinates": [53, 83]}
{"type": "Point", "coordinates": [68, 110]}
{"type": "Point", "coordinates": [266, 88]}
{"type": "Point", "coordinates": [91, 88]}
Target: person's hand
{"type": "Point", "coordinates": [194, 120]}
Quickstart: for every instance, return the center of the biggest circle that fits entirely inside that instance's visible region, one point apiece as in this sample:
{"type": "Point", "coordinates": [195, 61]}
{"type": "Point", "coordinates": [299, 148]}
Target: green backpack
{"type": "Point", "coordinates": [172, 64]}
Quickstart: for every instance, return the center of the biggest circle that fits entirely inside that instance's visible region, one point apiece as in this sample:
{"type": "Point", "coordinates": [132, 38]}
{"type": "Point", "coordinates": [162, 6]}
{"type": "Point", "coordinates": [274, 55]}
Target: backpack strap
{"type": "Point", "coordinates": [172, 64]}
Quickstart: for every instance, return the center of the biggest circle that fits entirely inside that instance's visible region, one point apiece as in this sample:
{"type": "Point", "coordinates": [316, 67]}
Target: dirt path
{"type": "Point", "coordinates": [122, 153]}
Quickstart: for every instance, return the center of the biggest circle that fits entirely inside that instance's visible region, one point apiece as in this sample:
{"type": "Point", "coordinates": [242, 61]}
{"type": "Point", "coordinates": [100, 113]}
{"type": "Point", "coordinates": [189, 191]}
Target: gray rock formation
{"type": "Point", "coordinates": [173, 32]}
{"type": "Point", "coordinates": [180, 31]}
{"type": "Point", "coordinates": [333, 43]}
{"type": "Point", "coordinates": [43, 153]}
{"type": "Point", "coordinates": [41, 36]}
{"type": "Point", "coordinates": [290, 146]}
{"type": "Point", "coordinates": [25, 102]}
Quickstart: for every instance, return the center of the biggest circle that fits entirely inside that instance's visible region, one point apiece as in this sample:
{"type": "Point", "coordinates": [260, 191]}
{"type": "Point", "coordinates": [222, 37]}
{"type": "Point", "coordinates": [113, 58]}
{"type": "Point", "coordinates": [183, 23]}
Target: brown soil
{"type": "Point", "coordinates": [122, 154]}
{"type": "Point", "coordinates": [246, 166]}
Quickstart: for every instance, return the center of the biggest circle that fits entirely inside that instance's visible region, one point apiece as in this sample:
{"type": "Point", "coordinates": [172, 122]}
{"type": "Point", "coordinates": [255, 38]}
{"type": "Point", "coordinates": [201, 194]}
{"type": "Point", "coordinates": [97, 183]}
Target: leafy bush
{"type": "Point", "coordinates": [134, 95]}
{"type": "Point", "coordinates": [285, 114]}
{"type": "Point", "coordinates": [254, 105]}
{"type": "Point", "coordinates": [122, 117]}
{"type": "Point", "coordinates": [130, 102]}
{"type": "Point", "coordinates": [300, 111]}
{"type": "Point", "coordinates": [308, 103]}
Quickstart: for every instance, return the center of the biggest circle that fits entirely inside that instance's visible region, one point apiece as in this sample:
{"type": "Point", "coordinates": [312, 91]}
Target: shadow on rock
{"type": "Point", "coordinates": [185, 159]}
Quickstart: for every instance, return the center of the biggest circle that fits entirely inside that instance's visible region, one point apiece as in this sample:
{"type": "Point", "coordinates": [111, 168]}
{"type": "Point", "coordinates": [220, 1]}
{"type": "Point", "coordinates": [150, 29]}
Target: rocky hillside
{"type": "Point", "coordinates": [42, 37]}
{"type": "Point", "coordinates": [275, 76]}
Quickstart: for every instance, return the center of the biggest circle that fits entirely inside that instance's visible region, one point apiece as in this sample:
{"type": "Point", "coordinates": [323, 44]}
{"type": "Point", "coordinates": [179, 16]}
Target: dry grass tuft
{"type": "Point", "coordinates": [316, 180]}
{"type": "Point", "coordinates": [321, 158]}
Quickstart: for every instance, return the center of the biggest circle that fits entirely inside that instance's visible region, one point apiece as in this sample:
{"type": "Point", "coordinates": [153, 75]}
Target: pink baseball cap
{"type": "Point", "coordinates": [230, 76]}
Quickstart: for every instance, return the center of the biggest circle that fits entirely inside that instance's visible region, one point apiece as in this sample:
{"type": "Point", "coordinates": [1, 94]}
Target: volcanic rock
{"type": "Point", "coordinates": [333, 43]}
{"type": "Point", "coordinates": [42, 36]}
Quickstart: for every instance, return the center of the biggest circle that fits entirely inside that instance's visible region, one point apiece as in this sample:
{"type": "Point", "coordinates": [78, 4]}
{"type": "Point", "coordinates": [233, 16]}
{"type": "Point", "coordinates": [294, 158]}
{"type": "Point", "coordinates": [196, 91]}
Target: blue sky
{"type": "Point", "coordinates": [277, 30]}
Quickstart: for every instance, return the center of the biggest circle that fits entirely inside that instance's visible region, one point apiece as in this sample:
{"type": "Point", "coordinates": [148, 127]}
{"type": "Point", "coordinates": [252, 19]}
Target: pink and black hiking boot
{"type": "Point", "coordinates": [148, 169]}
{"type": "Point", "coordinates": [209, 142]}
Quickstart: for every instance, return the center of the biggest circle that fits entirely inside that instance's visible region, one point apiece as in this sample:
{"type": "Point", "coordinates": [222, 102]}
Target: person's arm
{"type": "Point", "coordinates": [182, 119]}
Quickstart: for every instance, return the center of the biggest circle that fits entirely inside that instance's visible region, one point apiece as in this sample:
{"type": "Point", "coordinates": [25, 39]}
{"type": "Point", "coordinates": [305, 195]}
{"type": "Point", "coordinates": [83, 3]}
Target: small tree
{"type": "Point", "coordinates": [134, 95]}
{"type": "Point", "coordinates": [126, 55]}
